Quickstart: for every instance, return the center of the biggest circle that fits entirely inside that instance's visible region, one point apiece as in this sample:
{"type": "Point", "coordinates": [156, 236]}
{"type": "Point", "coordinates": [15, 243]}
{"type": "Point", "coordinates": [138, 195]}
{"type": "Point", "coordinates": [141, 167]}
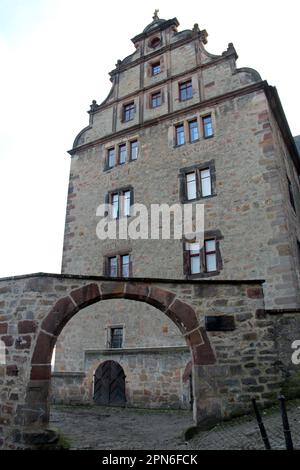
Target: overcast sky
{"type": "Point", "coordinates": [55, 59]}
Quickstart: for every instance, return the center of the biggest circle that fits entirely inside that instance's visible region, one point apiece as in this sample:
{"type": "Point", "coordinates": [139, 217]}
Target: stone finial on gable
{"type": "Point", "coordinates": [155, 15]}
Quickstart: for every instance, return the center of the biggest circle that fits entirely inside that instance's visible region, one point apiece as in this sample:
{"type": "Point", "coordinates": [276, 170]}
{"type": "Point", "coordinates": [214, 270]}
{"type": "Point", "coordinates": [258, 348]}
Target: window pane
{"type": "Point", "coordinates": [207, 126]}
{"type": "Point", "coordinates": [210, 245]}
{"type": "Point", "coordinates": [134, 150]}
{"type": "Point", "coordinates": [191, 185]}
{"type": "Point", "coordinates": [126, 202]}
{"type": "Point", "coordinates": [156, 68]}
{"type": "Point", "coordinates": [116, 338]}
{"type": "Point", "coordinates": [113, 267]}
{"type": "Point", "coordinates": [194, 132]}
{"type": "Point", "coordinates": [111, 158]}
{"type": "Point", "coordinates": [211, 262]}
{"type": "Point", "coordinates": [195, 264]}
{"type": "Point", "coordinates": [115, 205]}
{"type": "Point", "coordinates": [179, 135]}
{"type": "Point", "coordinates": [122, 153]}
{"type": "Point", "coordinates": [205, 183]}
{"type": "Point", "coordinates": [125, 265]}
{"type": "Point", "coordinates": [185, 90]}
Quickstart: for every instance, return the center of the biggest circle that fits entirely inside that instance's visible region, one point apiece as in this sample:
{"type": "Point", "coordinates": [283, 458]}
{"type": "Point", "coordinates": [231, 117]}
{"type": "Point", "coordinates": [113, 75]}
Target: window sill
{"type": "Point", "coordinates": [186, 99]}
{"type": "Point", "coordinates": [208, 137]}
{"type": "Point", "coordinates": [186, 201]}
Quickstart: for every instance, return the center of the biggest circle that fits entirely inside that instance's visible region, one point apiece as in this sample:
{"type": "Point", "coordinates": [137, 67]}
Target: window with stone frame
{"type": "Point", "coordinates": [185, 90]}
{"type": "Point", "coordinates": [208, 130]}
{"type": "Point", "coordinates": [118, 265]}
{"type": "Point", "coordinates": [120, 201]}
{"type": "Point", "coordinates": [115, 337]}
{"type": "Point", "coordinates": [128, 111]}
{"type": "Point", "coordinates": [193, 130]}
{"type": "Point", "coordinates": [197, 182]}
{"type": "Point", "coordinates": [111, 158]}
{"type": "Point", "coordinates": [203, 261]}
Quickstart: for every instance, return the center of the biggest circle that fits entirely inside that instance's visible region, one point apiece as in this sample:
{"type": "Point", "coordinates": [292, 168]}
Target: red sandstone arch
{"type": "Point", "coordinates": [183, 315]}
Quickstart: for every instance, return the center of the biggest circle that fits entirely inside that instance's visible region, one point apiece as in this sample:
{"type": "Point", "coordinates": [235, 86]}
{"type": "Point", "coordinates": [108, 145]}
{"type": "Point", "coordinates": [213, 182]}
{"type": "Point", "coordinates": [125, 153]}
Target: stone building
{"type": "Point", "coordinates": [179, 125]}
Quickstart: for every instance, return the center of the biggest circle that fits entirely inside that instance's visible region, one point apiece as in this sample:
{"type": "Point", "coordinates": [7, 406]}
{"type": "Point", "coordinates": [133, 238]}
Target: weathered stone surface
{"type": "Point", "coordinates": [60, 314]}
{"type": "Point", "coordinates": [86, 295]}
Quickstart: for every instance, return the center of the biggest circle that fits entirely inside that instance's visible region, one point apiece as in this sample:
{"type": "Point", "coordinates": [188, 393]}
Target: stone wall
{"type": "Point", "coordinates": [228, 367]}
{"type": "Point", "coordinates": [154, 378]}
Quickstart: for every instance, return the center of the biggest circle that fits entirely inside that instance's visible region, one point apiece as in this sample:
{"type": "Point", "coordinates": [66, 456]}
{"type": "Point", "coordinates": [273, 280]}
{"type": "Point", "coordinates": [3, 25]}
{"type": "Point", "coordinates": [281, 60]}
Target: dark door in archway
{"type": "Point", "coordinates": [109, 384]}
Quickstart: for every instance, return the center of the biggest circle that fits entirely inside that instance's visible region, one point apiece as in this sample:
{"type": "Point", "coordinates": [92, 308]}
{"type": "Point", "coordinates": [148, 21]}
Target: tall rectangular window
{"type": "Point", "coordinates": [125, 265]}
{"type": "Point", "coordinates": [179, 134]}
{"type": "Point", "coordinates": [111, 158]}
{"type": "Point", "coordinates": [207, 127]}
{"type": "Point", "coordinates": [121, 202]}
{"type": "Point", "coordinates": [185, 90]}
{"type": "Point", "coordinates": [202, 260]}
{"type": "Point", "coordinates": [194, 255]}
{"type": "Point", "coordinates": [205, 182]}
{"type": "Point", "coordinates": [191, 186]}
{"type": "Point", "coordinates": [210, 255]}
{"type": "Point", "coordinates": [122, 154]}
{"type": "Point", "coordinates": [134, 148]}
{"type": "Point", "coordinates": [112, 266]}
{"type": "Point", "coordinates": [126, 203]}
{"type": "Point", "coordinates": [156, 99]}
{"type": "Point", "coordinates": [193, 130]}
{"type": "Point", "coordinates": [118, 266]}
{"type": "Point", "coordinates": [128, 111]}
{"type": "Point", "coordinates": [116, 338]}
{"type": "Point", "coordinates": [156, 68]}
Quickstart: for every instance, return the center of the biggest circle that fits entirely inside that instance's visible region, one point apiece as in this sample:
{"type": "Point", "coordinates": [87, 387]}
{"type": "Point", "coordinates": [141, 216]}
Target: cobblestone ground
{"type": "Point", "coordinates": [91, 427]}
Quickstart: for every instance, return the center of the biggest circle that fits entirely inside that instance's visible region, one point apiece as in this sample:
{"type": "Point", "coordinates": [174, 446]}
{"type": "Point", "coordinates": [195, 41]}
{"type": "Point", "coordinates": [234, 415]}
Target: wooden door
{"type": "Point", "coordinates": [109, 384]}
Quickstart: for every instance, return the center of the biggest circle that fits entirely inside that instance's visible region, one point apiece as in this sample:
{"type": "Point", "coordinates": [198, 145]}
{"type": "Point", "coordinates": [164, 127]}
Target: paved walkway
{"type": "Point", "coordinates": [92, 427]}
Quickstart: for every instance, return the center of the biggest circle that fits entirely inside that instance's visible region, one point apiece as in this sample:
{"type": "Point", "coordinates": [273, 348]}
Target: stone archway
{"type": "Point", "coordinates": [36, 410]}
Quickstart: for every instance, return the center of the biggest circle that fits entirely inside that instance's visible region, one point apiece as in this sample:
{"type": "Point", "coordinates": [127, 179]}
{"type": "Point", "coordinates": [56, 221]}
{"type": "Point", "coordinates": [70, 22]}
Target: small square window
{"type": "Point", "coordinates": [156, 99]}
{"type": "Point", "coordinates": [185, 90]}
{"type": "Point", "coordinates": [128, 112]}
{"type": "Point", "coordinates": [180, 135]}
{"type": "Point", "coordinates": [156, 68]}
{"type": "Point", "coordinates": [207, 127]}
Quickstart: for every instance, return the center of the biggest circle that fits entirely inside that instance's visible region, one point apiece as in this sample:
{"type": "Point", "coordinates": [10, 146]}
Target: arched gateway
{"type": "Point", "coordinates": [35, 308]}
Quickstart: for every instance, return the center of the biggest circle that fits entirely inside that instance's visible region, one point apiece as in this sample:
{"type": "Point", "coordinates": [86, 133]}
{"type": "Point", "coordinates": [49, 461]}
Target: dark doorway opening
{"type": "Point", "coordinates": [109, 384]}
